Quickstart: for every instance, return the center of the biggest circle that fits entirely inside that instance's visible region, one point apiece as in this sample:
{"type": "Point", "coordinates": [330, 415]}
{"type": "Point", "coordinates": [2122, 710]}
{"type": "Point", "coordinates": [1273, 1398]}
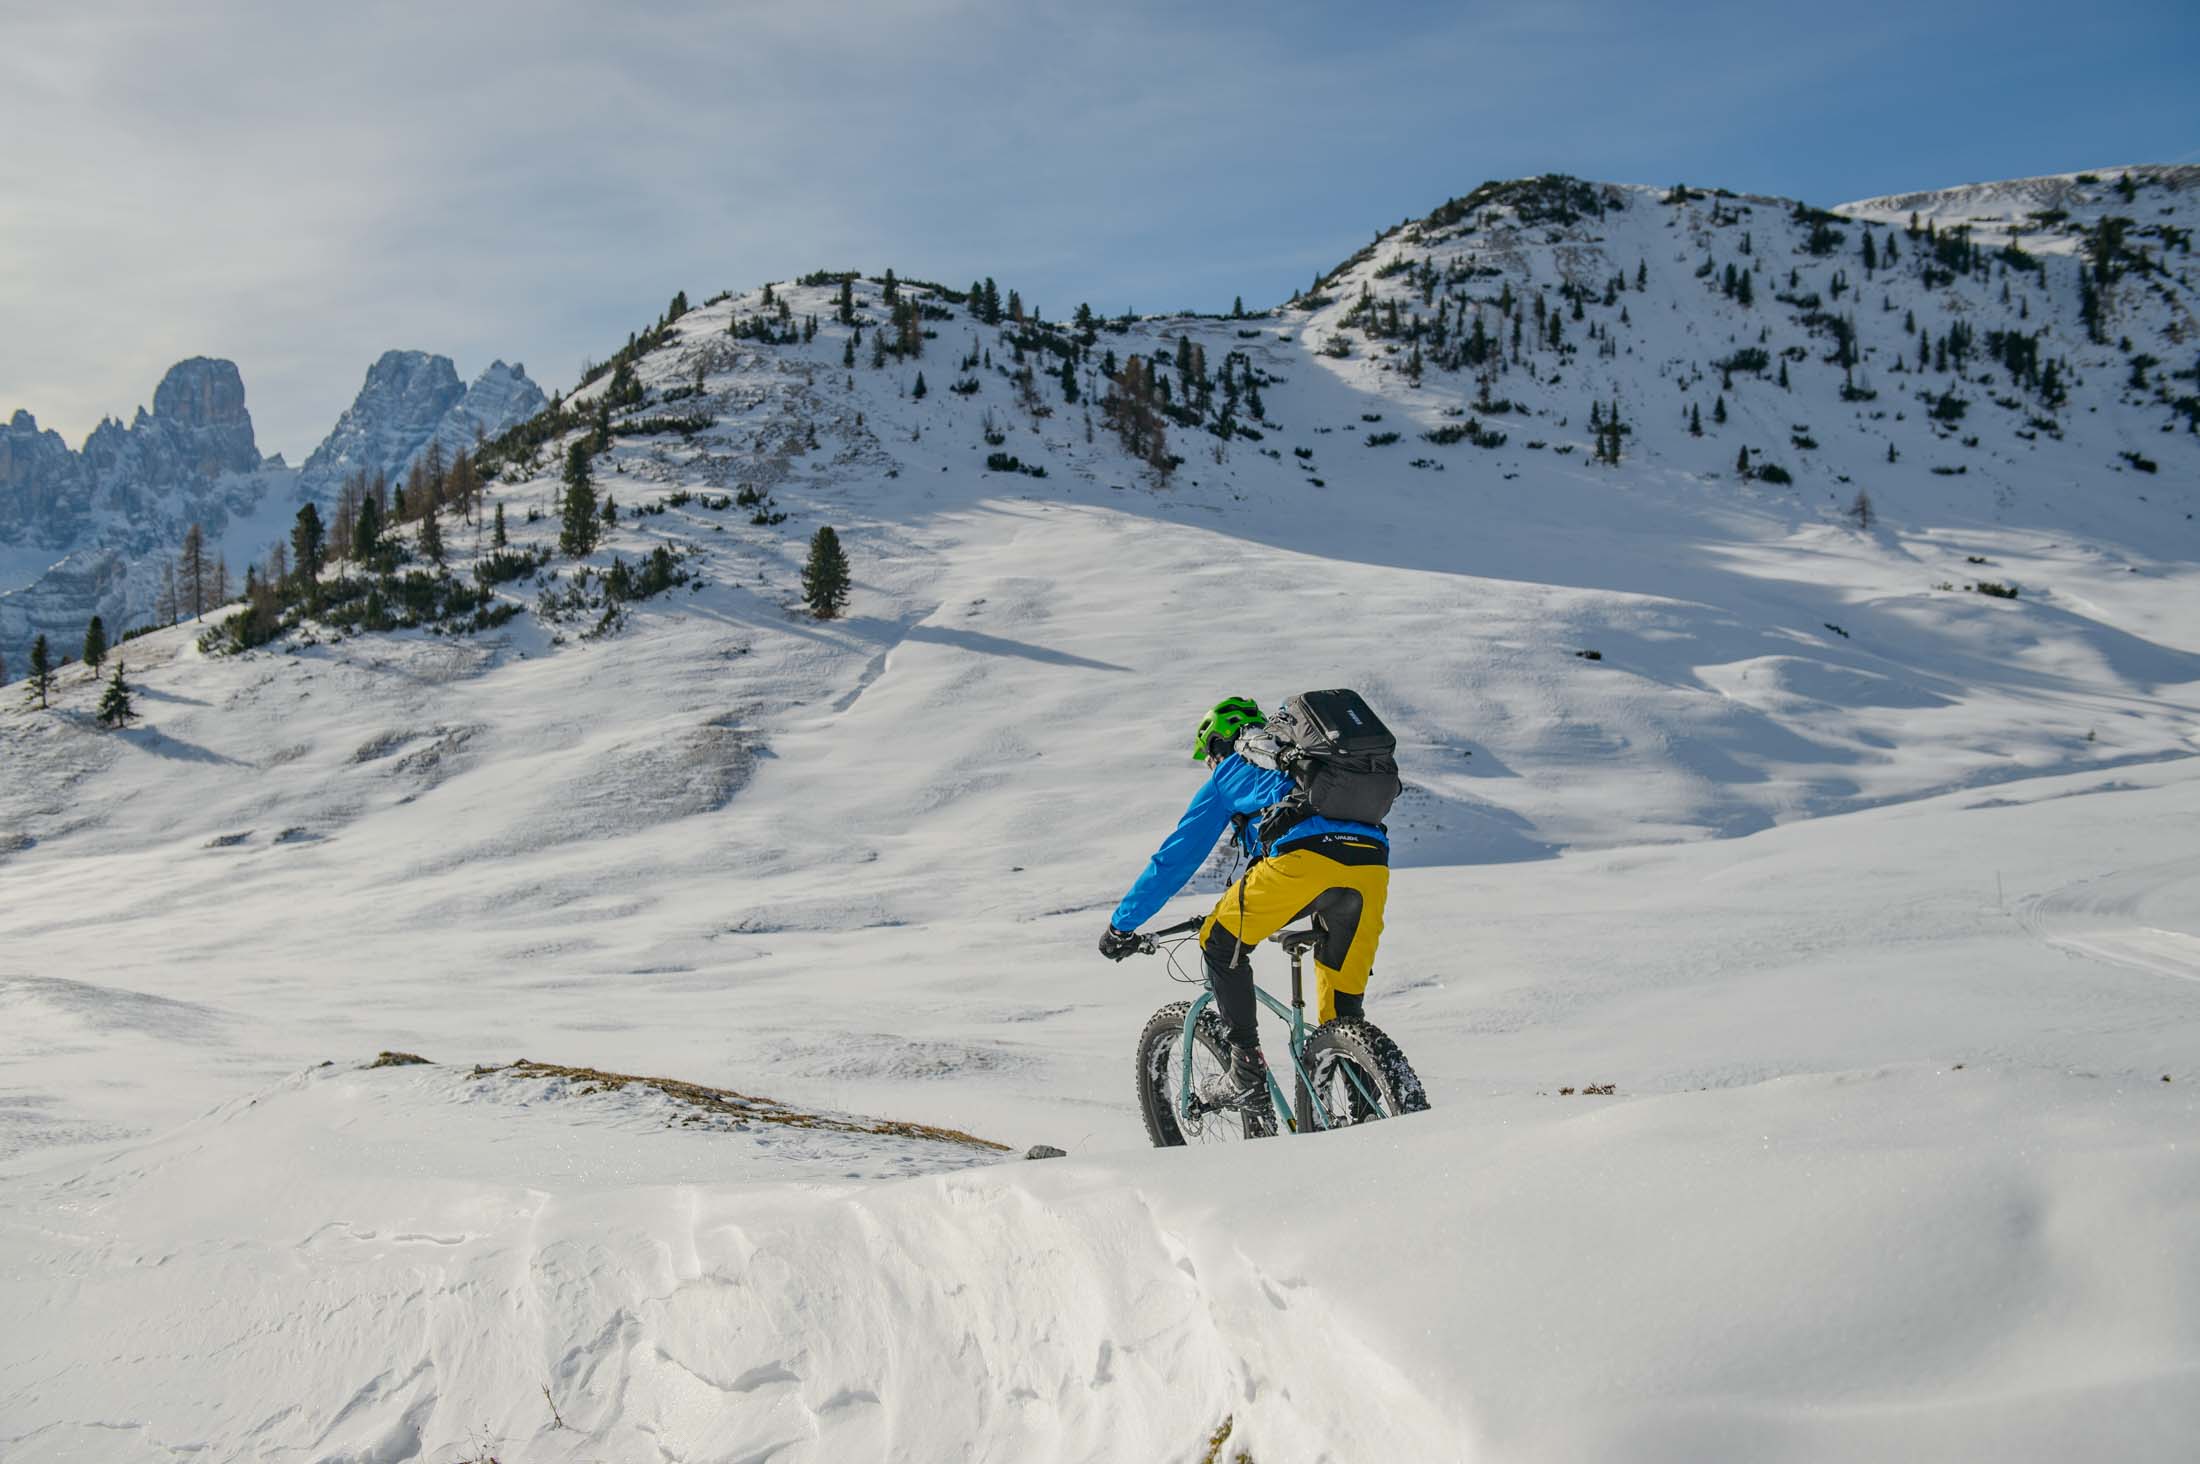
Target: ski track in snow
{"type": "Point", "coordinates": [2110, 918]}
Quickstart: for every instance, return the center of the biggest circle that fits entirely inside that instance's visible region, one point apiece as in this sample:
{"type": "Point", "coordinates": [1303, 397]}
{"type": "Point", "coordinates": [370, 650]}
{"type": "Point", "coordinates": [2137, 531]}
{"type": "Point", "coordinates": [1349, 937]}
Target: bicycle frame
{"type": "Point", "coordinates": [1295, 1014]}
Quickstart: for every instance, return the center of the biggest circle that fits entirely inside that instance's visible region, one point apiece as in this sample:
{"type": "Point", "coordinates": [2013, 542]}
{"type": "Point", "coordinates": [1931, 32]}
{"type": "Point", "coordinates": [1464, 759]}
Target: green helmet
{"type": "Point", "coordinates": [1231, 715]}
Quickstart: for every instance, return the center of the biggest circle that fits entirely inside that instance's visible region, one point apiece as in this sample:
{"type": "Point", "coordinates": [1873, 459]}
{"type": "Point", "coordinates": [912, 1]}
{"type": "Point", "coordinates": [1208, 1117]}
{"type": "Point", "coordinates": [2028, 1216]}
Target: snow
{"type": "Point", "coordinates": [1886, 938]}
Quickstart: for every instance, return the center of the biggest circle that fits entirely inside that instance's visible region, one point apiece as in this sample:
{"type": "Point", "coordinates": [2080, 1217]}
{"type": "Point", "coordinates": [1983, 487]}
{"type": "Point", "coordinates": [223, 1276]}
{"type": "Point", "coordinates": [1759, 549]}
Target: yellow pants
{"type": "Point", "coordinates": [1345, 899]}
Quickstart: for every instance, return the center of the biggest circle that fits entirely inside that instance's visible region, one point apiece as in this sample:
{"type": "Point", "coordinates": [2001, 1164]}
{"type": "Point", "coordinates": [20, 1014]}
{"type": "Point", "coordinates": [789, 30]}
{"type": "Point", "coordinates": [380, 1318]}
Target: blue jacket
{"type": "Point", "coordinates": [1235, 786]}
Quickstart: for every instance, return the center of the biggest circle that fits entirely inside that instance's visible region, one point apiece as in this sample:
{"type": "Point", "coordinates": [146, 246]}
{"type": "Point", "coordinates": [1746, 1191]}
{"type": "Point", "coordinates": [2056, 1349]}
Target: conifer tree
{"type": "Point", "coordinates": [878, 350]}
{"type": "Point", "coordinates": [497, 539]}
{"type": "Point", "coordinates": [1741, 462]}
{"type": "Point", "coordinates": [577, 528]}
{"type": "Point", "coordinates": [1783, 373]}
{"type": "Point", "coordinates": [95, 642]}
{"type": "Point", "coordinates": [1718, 411]}
{"type": "Point", "coordinates": [306, 547]}
{"type": "Point", "coordinates": [920, 388]}
{"type": "Point", "coordinates": [366, 538]}
{"type": "Point", "coordinates": [1744, 291]}
{"type": "Point", "coordinates": [431, 536]}
{"type": "Point", "coordinates": [1069, 380]}
{"type": "Point", "coordinates": [41, 677]}
{"type": "Point", "coordinates": [845, 307]}
{"type": "Point", "coordinates": [825, 576]}
{"type": "Point", "coordinates": [115, 709]}
{"type": "Point", "coordinates": [1695, 420]}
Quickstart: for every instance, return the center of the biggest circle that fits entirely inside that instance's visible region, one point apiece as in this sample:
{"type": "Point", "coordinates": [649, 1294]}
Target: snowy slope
{"type": "Point", "coordinates": [1890, 1166]}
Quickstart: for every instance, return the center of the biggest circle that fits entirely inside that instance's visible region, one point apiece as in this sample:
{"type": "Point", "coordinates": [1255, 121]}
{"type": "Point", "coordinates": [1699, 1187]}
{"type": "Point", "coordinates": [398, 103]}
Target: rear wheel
{"type": "Point", "coordinates": [1358, 1074]}
{"type": "Point", "coordinates": [1160, 1083]}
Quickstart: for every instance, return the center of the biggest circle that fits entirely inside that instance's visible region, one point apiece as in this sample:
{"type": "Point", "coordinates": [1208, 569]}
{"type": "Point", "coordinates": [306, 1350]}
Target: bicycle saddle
{"type": "Point", "coordinates": [1295, 941]}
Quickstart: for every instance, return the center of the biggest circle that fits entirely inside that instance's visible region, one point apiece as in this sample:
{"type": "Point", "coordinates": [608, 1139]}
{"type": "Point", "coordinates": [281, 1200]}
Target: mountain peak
{"type": "Point", "coordinates": [202, 392]}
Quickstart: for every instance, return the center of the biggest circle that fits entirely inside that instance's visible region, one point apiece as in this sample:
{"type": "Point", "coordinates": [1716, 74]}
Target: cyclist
{"type": "Point", "coordinates": [1302, 864]}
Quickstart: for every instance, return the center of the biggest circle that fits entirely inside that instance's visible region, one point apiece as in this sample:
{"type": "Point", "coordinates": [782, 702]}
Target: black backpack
{"type": "Point", "coordinates": [1336, 749]}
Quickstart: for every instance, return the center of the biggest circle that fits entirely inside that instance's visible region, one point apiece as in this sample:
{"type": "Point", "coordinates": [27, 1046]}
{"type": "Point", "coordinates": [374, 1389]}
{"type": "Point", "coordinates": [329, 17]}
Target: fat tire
{"type": "Point", "coordinates": [1398, 1089]}
{"type": "Point", "coordinates": [1157, 1077]}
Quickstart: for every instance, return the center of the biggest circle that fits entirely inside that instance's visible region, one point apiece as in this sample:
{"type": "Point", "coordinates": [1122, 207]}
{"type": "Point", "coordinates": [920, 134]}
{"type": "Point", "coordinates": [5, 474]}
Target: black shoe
{"type": "Point", "coordinates": [1248, 1080]}
{"type": "Point", "coordinates": [1248, 1073]}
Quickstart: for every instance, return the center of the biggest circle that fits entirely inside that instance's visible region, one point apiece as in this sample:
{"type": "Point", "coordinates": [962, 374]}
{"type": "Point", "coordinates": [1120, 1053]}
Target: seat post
{"type": "Point", "coordinates": [1298, 995]}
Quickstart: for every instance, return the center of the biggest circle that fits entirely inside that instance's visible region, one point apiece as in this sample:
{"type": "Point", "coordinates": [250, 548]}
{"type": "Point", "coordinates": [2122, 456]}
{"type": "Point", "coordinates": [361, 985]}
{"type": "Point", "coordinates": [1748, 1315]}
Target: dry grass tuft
{"type": "Point", "coordinates": [398, 1059]}
{"type": "Point", "coordinates": [725, 1103]}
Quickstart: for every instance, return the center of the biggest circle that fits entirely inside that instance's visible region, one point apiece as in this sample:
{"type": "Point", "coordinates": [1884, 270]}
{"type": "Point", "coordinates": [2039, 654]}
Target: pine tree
{"type": "Point", "coordinates": [577, 530]}
{"type": "Point", "coordinates": [497, 539]}
{"type": "Point", "coordinates": [366, 537]}
{"type": "Point", "coordinates": [848, 350]}
{"type": "Point", "coordinates": [1783, 374]}
{"type": "Point", "coordinates": [610, 509]}
{"type": "Point", "coordinates": [1741, 462]}
{"type": "Point", "coordinates": [1861, 509]}
{"type": "Point", "coordinates": [41, 677]}
{"type": "Point", "coordinates": [1744, 291]}
{"type": "Point", "coordinates": [114, 703]}
{"type": "Point", "coordinates": [920, 388]}
{"type": "Point", "coordinates": [1718, 411]}
{"type": "Point", "coordinates": [1069, 380]}
{"type": "Point", "coordinates": [1695, 420]}
{"type": "Point", "coordinates": [431, 536]}
{"type": "Point", "coordinates": [825, 576]}
{"type": "Point", "coordinates": [95, 642]}
{"type": "Point", "coordinates": [306, 546]}
{"type": "Point", "coordinates": [878, 350]}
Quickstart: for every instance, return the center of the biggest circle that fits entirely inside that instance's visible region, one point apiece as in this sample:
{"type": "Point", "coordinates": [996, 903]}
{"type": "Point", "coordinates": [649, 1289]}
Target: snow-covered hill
{"type": "Point", "coordinates": [1889, 1165]}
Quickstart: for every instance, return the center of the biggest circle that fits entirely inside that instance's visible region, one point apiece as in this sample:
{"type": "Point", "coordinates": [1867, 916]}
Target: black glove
{"type": "Point", "coordinates": [1116, 944]}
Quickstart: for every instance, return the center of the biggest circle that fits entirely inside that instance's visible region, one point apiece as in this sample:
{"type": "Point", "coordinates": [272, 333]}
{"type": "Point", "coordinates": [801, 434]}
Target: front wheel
{"type": "Point", "coordinates": [1160, 1083]}
{"type": "Point", "coordinates": [1358, 1074]}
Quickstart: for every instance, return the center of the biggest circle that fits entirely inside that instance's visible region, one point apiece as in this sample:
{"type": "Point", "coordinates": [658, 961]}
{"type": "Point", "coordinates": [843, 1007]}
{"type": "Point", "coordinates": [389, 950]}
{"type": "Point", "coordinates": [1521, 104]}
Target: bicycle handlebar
{"type": "Point", "coordinates": [1150, 941]}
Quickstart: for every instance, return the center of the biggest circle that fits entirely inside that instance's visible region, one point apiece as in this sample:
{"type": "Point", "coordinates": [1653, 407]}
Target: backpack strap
{"type": "Point", "coordinates": [1296, 808]}
{"type": "Point", "coordinates": [1261, 747]}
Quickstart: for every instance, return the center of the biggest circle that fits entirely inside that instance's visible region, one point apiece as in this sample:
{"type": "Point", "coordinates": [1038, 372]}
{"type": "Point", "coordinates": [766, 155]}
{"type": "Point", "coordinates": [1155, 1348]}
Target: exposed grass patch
{"type": "Point", "coordinates": [398, 1059]}
{"type": "Point", "coordinates": [706, 1103]}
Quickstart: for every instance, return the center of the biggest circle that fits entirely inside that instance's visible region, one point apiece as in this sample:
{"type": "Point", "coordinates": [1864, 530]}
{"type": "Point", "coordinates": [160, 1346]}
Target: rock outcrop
{"type": "Point", "coordinates": [411, 399]}
{"type": "Point", "coordinates": [85, 533]}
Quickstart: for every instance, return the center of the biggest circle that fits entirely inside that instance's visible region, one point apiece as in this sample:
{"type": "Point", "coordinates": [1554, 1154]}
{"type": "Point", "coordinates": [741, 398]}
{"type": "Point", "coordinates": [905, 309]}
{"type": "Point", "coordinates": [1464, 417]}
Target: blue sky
{"type": "Point", "coordinates": [300, 186]}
